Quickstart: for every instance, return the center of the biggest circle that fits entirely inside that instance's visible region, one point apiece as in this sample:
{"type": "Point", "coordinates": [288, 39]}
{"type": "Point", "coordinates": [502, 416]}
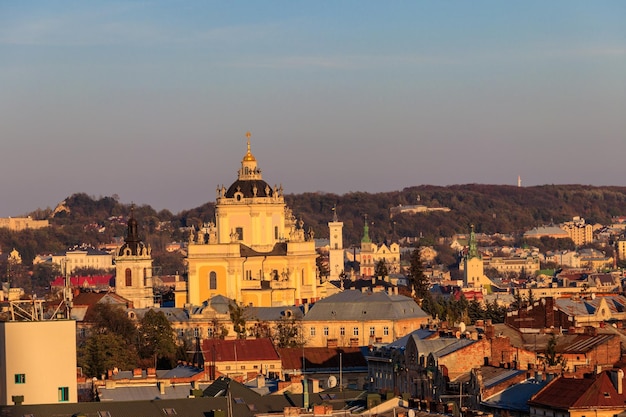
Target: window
{"type": "Point", "coordinates": [64, 394]}
{"type": "Point", "coordinates": [228, 367]}
{"type": "Point", "coordinates": [243, 366]}
{"type": "Point", "coordinates": [386, 331]}
{"type": "Point", "coordinates": [325, 331]}
{"type": "Point", "coordinates": [276, 232]}
{"type": "Point", "coordinates": [239, 231]}
{"type": "Point", "coordinates": [312, 331]}
{"type": "Point", "coordinates": [197, 332]}
{"type": "Point", "coordinates": [372, 331]}
{"type": "Point", "coordinates": [20, 378]}
{"type": "Point", "coordinates": [212, 280]}
{"type": "Point", "coordinates": [355, 331]}
{"type": "Point", "coordinates": [129, 278]}
{"type": "Point", "coordinates": [342, 331]}
{"type": "Point", "coordinates": [209, 332]}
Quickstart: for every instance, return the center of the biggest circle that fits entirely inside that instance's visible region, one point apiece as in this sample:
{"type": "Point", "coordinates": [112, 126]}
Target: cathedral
{"type": "Point", "coordinates": [255, 252]}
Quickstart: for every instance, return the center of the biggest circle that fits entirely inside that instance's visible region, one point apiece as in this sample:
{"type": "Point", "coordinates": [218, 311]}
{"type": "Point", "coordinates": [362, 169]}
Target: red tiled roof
{"type": "Point", "coordinates": [595, 391]}
{"type": "Point", "coordinates": [247, 350]}
{"type": "Point", "coordinates": [99, 280]}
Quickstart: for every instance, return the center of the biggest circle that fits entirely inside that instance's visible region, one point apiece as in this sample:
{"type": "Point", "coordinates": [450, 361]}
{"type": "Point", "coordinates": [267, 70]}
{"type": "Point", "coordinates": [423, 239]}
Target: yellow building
{"type": "Point", "coordinates": [255, 252]}
{"type": "Point", "coordinates": [38, 362]}
{"type": "Point", "coordinates": [371, 254]}
{"type": "Point", "coordinates": [473, 266]}
{"type": "Point", "coordinates": [361, 318]}
{"type": "Point", "coordinates": [621, 250]}
{"type": "Point", "coordinates": [580, 232]}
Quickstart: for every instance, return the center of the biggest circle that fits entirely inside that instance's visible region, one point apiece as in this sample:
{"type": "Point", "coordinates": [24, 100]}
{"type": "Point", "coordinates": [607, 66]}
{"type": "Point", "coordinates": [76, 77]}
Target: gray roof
{"type": "Point", "coordinates": [188, 407]}
{"type": "Point", "coordinates": [171, 313]}
{"type": "Point", "coordinates": [515, 397]}
{"type": "Point", "coordinates": [219, 304]}
{"type": "Point", "coordinates": [440, 347]}
{"type": "Point", "coordinates": [364, 306]}
{"type": "Point", "coordinates": [272, 313]}
{"type": "Point", "coordinates": [419, 334]}
{"type": "Point", "coordinates": [145, 392]}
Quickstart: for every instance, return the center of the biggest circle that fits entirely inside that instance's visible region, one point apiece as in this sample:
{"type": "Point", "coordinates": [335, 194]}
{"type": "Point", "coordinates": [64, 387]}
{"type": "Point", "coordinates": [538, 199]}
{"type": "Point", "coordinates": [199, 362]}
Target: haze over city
{"type": "Point", "coordinates": [151, 100]}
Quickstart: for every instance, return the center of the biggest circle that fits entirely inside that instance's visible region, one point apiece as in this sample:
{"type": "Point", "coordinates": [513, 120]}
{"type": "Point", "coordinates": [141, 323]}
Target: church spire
{"type": "Point", "coordinates": [366, 232]}
{"type": "Point", "coordinates": [249, 156]}
{"type": "Point", "coordinates": [132, 240]}
{"type": "Point", "coordinates": [473, 249]}
{"type": "Point", "coordinates": [249, 169]}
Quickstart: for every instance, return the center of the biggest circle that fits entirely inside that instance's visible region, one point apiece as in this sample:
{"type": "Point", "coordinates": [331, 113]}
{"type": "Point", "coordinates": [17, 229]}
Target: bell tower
{"type": "Point", "coordinates": [133, 268]}
{"type": "Point", "coordinates": [335, 255]}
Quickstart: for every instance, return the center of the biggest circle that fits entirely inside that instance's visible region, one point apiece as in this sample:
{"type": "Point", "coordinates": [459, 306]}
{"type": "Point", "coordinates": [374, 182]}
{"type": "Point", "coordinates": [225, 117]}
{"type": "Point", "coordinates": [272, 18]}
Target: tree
{"type": "Point", "coordinates": [288, 332]}
{"type": "Point", "coordinates": [104, 351]}
{"type": "Point", "coordinates": [156, 337]}
{"type": "Point", "coordinates": [381, 269]}
{"type": "Point", "coordinates": [418, 281]}
{"type": "Point", "coordinates": [237, 314]}
{"type": "Point", "coordinates": [552, 357]}
{"type": "Point", "coordinates": [112, 319]}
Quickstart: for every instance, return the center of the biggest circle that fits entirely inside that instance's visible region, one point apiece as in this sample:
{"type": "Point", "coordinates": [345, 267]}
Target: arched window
{"type": "Point", "coordinates": [212, 280]}
{"type": "Point", "coordinates": [129, 278]}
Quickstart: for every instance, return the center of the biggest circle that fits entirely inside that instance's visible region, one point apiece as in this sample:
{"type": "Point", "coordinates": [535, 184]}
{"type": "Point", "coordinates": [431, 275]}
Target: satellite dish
{"type": "Point", "coordinates": [332, 381]}
{"type": "Point", "coordinates": [411, 413]}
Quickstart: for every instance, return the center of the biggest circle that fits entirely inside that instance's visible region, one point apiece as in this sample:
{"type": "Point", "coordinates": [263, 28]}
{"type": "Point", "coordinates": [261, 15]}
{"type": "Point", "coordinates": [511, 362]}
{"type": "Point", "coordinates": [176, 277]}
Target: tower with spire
{"type": "Point", "coordinates": [335, 253]}
{"type": "Point", "coordinates": [473, 266]}
{"type": "Point", "coordinates": [133, 268]}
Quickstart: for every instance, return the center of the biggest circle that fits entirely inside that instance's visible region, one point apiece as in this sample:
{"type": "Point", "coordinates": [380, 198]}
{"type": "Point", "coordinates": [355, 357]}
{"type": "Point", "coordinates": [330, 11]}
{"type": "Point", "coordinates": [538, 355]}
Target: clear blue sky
{"type": "Point", "coordinates": [151, 100]}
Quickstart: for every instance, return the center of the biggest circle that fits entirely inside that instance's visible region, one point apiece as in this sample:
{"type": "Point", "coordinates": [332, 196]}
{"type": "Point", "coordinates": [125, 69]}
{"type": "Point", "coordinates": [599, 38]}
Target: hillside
{"type": "Point", "coordinates": [491, 208]}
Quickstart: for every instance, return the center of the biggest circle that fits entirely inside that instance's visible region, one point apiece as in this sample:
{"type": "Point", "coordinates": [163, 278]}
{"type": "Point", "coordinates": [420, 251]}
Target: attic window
{"type": "Point", "coordinates": [607, 395]}
{"type": "Point", "coordinates": [169, 411]}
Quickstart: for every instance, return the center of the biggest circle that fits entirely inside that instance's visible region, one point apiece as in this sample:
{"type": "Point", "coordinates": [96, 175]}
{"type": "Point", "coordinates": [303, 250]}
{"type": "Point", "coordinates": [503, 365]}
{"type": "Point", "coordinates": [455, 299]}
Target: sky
{"type": "Point", "coordinates": [151, 100]}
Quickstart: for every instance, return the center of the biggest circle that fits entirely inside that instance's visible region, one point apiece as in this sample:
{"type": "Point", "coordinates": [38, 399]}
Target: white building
{"type": "Point", "coordinates": [38, 362]}
{"type": "Point", "coordinates": [335, 251]}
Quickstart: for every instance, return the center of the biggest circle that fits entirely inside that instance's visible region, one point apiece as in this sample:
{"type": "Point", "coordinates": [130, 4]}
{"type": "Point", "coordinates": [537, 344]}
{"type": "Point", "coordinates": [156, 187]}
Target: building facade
{"type": "Point", "coordinates": [133, 267]}
{"type": "Point", "coordinates": [256, 252]}
{"type": "Point", "coordinates": [82, 257]}
{"type": "Point", "coordinates": [34, 370]}
{"type": "Point", "coordinates": [335, 251]}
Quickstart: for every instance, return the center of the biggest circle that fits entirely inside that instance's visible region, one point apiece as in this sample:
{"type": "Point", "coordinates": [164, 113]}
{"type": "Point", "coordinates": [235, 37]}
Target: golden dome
{"type": "Point", "coordinates": [249, 156]}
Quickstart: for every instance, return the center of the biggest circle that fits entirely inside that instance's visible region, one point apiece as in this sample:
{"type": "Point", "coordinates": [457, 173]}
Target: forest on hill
{"type": "Point", "coordinates": [84, 219]}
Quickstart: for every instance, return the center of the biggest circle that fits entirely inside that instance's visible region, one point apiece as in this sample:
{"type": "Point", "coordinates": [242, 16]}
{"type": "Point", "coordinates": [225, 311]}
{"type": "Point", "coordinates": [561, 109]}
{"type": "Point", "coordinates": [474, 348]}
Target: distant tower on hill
{"type": "Point", "coordinates": [335, 255]}
{"type": "Point", "coordinates": [519, 180]}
